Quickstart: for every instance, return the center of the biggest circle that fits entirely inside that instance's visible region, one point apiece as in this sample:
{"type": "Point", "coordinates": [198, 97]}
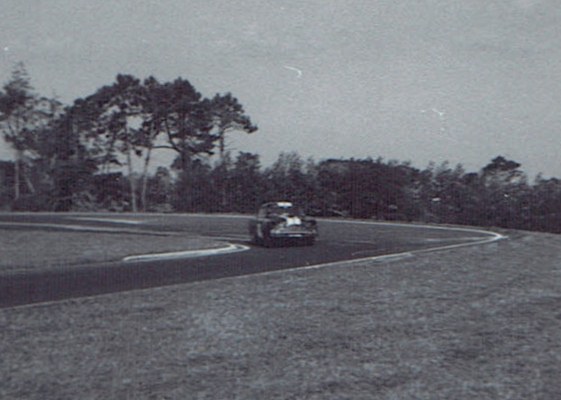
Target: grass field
{"type": "Point", "coordinates": [25, 250]}
{"type": "Point", "coordinates": [471, 323]}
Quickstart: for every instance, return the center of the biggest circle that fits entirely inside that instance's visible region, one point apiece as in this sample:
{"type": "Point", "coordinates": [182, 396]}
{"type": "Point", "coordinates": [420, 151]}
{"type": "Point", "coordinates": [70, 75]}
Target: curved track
{"type": "Point", "coordinates": [340, 241]}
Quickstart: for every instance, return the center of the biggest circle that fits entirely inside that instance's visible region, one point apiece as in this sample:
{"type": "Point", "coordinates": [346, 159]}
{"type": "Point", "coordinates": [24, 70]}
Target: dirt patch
{"type": "Point", "coordinates": [471, 323]}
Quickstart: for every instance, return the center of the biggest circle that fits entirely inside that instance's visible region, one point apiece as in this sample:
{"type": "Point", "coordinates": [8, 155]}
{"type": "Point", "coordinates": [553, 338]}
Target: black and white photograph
{"type": "Point", "coordinates": [280, 199]}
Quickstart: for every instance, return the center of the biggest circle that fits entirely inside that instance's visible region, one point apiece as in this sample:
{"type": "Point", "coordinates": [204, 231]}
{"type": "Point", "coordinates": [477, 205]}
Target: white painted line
{"type": "Point", "coordinates": [494, 237]}
{"type": "Point", "coordinates": [394, 257]}
{"type": "Point", "coordinates": [61, 226]}
{"type": "Point", "coordinates": [383, 258]}
{"type": "Point", "coordinates": [230, 248]}
{"type": "Point", "coordinates": [389, 257]}
{"type": "Point", "coordinates": [114, 220]}
{"type": "Point", "coordinates": [407, 225]}
{"type": "Point", "coordinates": [227, 238]}
{"type": "Point", "coordinates": [201, 215]}
{"type": "Point", "coordinates": [458, 239]}
{"type": "Point", "coordinates": [87, 228]}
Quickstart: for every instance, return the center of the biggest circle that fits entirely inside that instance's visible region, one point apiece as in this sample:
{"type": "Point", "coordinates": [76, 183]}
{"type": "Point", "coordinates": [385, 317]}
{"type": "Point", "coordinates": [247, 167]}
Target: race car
{"type": "Point", "coordinates": [282, 223]}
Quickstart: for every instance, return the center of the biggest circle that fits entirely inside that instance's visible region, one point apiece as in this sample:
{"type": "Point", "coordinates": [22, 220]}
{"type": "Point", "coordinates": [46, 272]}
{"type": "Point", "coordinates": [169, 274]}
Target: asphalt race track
{"type": "Point", "coordinates": [339, 241]}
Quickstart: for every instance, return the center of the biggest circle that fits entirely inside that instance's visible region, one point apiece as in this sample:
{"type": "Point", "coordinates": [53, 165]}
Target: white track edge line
{"type": "Point", "coordinates": [230, 248]}
{"type": "Point", "coordinates": [388, 257]}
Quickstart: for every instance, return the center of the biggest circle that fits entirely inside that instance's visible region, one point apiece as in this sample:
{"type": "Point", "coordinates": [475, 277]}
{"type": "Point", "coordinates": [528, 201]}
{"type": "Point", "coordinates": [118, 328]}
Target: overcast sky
{"type": "Point", "coordinates": [412, 80]}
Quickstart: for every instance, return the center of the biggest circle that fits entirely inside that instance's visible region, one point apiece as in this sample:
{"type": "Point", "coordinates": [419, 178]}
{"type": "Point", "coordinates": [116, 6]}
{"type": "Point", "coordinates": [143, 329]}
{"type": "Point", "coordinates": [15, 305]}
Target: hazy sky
{"type": "Point", "coordinates": [417, 80]}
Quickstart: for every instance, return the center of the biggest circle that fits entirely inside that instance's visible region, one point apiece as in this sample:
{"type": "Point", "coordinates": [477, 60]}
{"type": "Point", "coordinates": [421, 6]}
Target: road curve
{"type": "Point", "coordinates": [341, 241]}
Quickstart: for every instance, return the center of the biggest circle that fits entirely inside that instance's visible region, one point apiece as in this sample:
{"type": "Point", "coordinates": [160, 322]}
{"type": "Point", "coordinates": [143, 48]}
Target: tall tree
{"type": "Point", "coordinates": [504, 187]}
{"type": "Point", "coordinates": [227, 116]}
{"type": "Point", "coordinates": [544, 205]}
{"type": "Point", "coordinates": [186, 121]}
{"type": "Point", "coordinates": [119, 125]}
{"type": "Point", "coordinates": [501, 171]}
{"type": "Point", "coordinates": [247, 181]}
{"type": "Point", "coordinates": [22, 115]}
{"type": "Point", "coordinates": [286, 178]}
{"type": "Point", "coordinates": [66, 162]}
{"type": "Point", "coordinates": [443, 193]}
{"type": "Point", "coordinates": [159, 191]}
{"type": "Point", "coordinates": [151, 98]}
{"type": "Point", "coordinates": [193, 125]}
{"type": "Point", "coordinates": [194, 190]}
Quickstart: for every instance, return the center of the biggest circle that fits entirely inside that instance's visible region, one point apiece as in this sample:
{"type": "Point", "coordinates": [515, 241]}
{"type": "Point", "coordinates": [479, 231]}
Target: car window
{"type": "Point", "coordinates": [274, 210]}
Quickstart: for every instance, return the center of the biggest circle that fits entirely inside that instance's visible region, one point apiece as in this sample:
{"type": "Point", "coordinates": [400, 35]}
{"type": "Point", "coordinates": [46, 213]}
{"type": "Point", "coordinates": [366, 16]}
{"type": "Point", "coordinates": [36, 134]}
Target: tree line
{"type": "Point", "coordinates": [61, 151]}
{"type": "Point", "coordinates": [97, 155]}
{"type": "Point", "coordinates": [499, 195]}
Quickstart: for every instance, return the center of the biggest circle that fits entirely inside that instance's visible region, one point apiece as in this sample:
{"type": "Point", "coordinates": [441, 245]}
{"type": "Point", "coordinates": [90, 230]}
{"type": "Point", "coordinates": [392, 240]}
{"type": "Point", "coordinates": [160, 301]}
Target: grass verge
{"type": "Point", "coordinates": [470, 323]}
{"type": "Point", "coordinates": [27, 250]}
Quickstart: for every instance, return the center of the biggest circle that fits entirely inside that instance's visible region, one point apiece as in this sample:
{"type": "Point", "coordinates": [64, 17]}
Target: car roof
{"type": "Point", "coordinates": [281, 204]}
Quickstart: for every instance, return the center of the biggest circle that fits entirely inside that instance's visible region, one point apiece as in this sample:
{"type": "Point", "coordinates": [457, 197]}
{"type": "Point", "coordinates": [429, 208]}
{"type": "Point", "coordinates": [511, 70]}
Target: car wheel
{"type": "Point", "coordinates": [255, 239]}
{"type": "Point", "coordinates": [309, 241]}
{"type": "Point", "coordinates": [268, 242]}
{"type": "Point", "coordinates": [265, 237]}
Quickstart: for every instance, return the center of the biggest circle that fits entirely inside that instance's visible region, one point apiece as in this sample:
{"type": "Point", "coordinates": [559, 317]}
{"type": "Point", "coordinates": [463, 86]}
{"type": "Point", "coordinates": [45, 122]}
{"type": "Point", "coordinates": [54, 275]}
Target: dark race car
{"type": "Point", "coordinates": [282, 223]}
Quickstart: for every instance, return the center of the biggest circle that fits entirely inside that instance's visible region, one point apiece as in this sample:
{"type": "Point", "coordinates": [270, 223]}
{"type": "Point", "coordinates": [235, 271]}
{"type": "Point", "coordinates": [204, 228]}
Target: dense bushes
{"type": "Point", "coordinates": [497, 195]}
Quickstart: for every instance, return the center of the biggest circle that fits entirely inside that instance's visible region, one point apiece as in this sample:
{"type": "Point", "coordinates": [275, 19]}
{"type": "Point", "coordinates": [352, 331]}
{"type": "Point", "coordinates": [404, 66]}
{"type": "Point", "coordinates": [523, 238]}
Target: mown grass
{"type": "Point", "coordinates": [471, 323]}
{"type": "Point", "coordinates": [27, 250]}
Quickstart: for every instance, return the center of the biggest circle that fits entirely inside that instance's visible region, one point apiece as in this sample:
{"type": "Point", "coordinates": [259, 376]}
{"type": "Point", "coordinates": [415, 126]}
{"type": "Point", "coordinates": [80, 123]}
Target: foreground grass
{"type": "Point", "coordinates": [473, 323]}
